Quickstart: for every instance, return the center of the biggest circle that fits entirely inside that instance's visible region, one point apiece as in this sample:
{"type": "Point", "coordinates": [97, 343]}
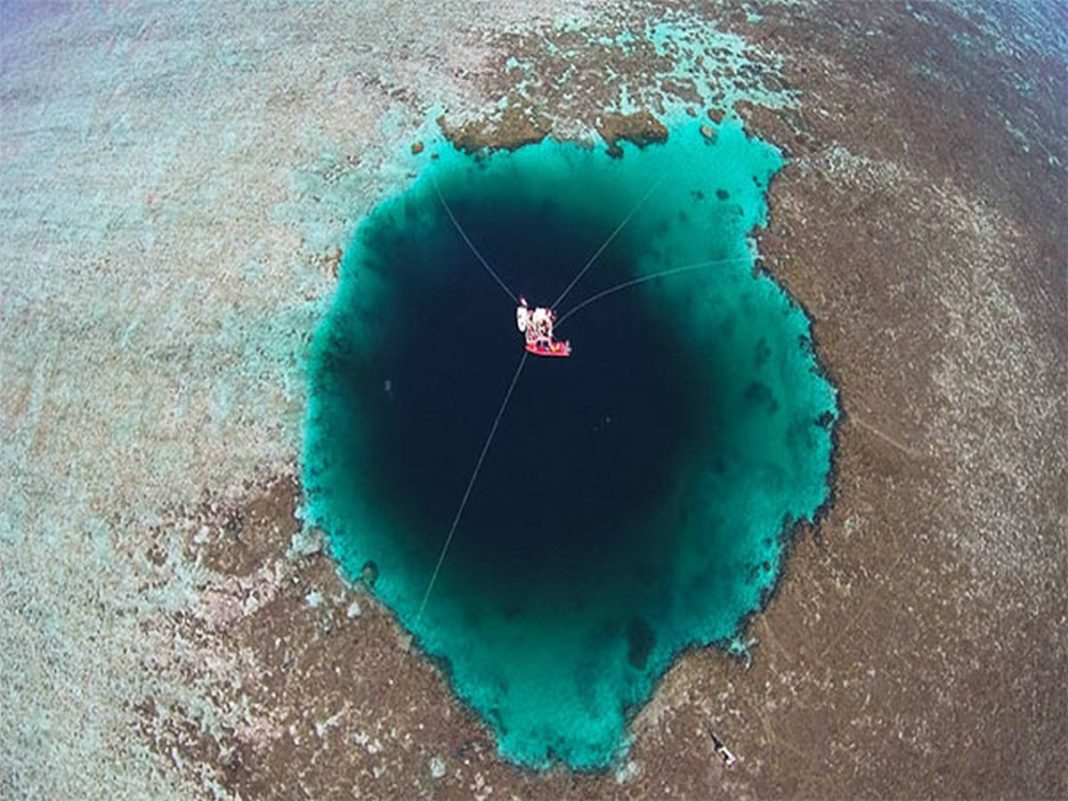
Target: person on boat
{"type": "Point", "coordinates": [536, 324]}
{"type": "Point", "coordinates": [542, 320]}
{"type": "Point", "coordinates": [522, 316]}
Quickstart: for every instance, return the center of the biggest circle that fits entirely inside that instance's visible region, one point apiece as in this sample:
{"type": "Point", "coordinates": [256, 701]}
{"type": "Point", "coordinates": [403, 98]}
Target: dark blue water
{"type": "Point", "coordinates": [634, 498]}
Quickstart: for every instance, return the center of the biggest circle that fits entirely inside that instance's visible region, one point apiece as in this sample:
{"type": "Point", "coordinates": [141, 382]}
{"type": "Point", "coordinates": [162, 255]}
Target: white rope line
{"type": "Point", "coordinates": [471, 245]}
{"type": "Point", "coordinates": [634, 281]}
{"type": "Point", "coordinates": [600, 250]}
{"type": "Point", "coordinates": [470, 486]}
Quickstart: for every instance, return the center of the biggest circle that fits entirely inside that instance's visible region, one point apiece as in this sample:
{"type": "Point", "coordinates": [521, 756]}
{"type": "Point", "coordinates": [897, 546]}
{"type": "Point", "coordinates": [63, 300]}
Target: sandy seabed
{"type": "Point", "coordinates": [176, 182]}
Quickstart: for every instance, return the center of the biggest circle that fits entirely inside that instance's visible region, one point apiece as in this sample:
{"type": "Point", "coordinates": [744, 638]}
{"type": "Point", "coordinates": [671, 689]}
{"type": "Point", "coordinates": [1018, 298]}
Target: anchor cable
{"type": "Point", "coordinates": [470, 486]}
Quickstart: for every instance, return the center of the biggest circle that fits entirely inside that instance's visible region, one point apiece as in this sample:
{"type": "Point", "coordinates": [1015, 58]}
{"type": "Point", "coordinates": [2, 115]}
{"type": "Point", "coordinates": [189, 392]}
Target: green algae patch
{"type": "Point", "coordinates": [637, 497]}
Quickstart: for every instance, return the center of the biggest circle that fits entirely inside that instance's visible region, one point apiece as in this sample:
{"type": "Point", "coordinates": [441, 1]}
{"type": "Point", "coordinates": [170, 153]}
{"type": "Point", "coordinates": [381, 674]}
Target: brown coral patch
{"type": "Point", "coordinates": [510, 129]}
{"type": "Point", "coordinates": [641, 128]}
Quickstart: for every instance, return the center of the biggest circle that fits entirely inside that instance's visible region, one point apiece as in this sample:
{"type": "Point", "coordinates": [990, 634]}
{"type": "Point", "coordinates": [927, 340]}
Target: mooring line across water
{"type": "Point", "coordinates": [470, 244]}
{"type": "Point", "coordinates": [470, 486]}
{"type": "Point", "coordinates": [600, 250]}
{"type": "Point", "coordinates": [634, 281]}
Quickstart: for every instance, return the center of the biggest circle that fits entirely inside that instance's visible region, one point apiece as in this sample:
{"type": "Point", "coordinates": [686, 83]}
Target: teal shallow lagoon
{"type": "Point", "coordinates": [638, 497]}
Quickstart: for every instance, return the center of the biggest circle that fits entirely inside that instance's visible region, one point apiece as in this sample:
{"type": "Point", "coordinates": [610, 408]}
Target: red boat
{"type": "Point", "coordinates": [549, 349]}
{"type": "Point", "coordinates": [537, 327]}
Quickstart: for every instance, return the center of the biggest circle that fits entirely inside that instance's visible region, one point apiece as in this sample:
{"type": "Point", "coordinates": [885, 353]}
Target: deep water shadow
{"type": "Point", "coordinates": [631, 502]}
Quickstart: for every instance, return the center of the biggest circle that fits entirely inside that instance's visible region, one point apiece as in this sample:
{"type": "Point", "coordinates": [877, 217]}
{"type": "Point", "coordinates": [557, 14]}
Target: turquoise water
{"type": "Point", "coordinates": [638, 496]}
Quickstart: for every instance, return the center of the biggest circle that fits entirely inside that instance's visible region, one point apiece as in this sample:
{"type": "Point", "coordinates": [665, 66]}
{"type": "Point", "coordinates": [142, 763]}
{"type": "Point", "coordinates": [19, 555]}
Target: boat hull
{"type": "Point", "coordinates": [556, 349]}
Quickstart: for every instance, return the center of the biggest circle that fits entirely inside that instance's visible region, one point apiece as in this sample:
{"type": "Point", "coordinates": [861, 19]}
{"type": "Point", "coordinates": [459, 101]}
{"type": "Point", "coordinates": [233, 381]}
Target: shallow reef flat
{"type": "Point", "coordinates": [177, 186]}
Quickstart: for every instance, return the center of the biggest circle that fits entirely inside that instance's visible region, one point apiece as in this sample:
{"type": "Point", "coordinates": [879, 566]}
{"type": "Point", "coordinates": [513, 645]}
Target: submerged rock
{"type": "Point", "coordinates": [437, 767]}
